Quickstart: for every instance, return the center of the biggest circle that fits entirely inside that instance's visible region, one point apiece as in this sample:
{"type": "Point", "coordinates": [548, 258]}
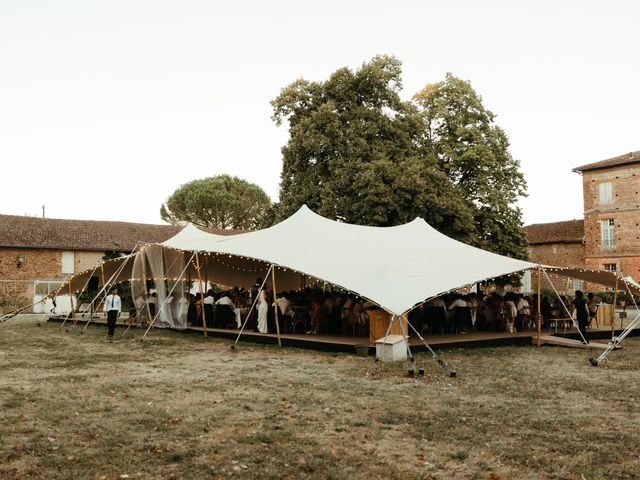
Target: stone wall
{"type": "Point", "coordinates": [560, 254]}
{"type": "Point", "coordinates": [624, 209]}
{"type": "Point", "coordinates": [17, 283]}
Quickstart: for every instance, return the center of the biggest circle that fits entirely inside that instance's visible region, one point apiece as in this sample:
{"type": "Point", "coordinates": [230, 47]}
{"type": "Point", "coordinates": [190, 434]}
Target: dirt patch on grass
{"type": "Point", "coordinates": [180, 406]}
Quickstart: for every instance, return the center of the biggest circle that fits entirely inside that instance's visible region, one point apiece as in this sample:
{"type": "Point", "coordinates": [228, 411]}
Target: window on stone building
{"type": "Point", "coordinates": [576, 284]}
{"type": "Point", "coordinates": [67, 262]}
{"type": "Point", "coordinates": [606, 193]}
{"type": "Point", "coordinates": [607, 232]}
{"type": "Point", "coordinates": [611, 267]}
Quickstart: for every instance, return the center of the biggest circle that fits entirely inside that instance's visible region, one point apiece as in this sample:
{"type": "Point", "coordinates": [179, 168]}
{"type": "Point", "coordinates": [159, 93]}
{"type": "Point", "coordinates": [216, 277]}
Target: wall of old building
{"type": "Point", "coordinates": [560, 254]}
{"type": "Point", "coordinates": [624, 209]}
{"type": "Point", "coordinates": [40, 272]}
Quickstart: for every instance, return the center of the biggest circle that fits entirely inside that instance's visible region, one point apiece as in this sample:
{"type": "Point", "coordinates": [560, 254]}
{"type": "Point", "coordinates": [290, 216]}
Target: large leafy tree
{"type": "Point", "coordinates": [222, 201]}
{"type": "Point", "coordinates": [356, 152]}
{"type": "Point", "coordinates": [474, 153]}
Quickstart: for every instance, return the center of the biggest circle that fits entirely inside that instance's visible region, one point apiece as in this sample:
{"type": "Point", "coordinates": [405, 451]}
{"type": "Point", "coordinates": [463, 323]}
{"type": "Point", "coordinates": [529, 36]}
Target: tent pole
{"type": "Point", "coordinates": [539, 313]}
{"type": "Point", "coordinates": [575, 324]}
{"type": "Point", "coordinates": [450, 372]}
{"type": "Point", "coordinates": [144, 284]}
{"type": "Point", "coordinates": [84, 287]}
{"type": "Point", "coordinates": [71, 300]}
{"type": "Point", "coordinates": [613, 310]}
{"type": "Point", "coordinates": [206, 273]}
{"type": "Point", "coordinates": [405, 337]}
{"type": "Point", "coordinates": [204, 316]}
{"type": "Point", "coordinates": [114, 276]}
{"type": "Point", "coordinates": [275, 303]}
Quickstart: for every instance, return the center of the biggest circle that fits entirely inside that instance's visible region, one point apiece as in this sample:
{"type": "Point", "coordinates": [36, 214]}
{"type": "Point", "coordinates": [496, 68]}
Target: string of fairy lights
{"type": "Point", "coordinates": [224, 260]}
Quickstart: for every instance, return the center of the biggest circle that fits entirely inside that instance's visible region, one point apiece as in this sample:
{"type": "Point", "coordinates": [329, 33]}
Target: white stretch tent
{"type": "Point", "coordinates": [395, 267]}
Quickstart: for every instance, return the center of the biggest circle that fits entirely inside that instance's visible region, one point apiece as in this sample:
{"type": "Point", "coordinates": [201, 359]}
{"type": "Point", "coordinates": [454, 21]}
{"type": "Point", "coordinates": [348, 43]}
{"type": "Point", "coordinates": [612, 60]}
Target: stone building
{"type": "Point", "coordinates": [560, 244]}
{"type": "Point", "coordinates": [37, 255]}
{"type": "Point", "coordinates": [612, 213]}
{"type": "Point", "coordinates": [609, 236]}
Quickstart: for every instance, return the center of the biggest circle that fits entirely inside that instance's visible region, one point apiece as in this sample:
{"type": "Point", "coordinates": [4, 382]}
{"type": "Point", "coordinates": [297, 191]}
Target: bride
{"type": "Point", "coordinates": [263, 311]}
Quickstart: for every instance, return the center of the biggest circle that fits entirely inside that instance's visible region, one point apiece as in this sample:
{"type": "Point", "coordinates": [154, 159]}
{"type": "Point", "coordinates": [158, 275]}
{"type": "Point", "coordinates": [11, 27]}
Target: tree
{"type": "Point", "coordinates": [359, 154]}
{"type": "Point", "coordinates": [474, 153]}
{"type": "Point", "coordinates": [222, 201]}
{"type": "Point", "coordinates": [356, 153]}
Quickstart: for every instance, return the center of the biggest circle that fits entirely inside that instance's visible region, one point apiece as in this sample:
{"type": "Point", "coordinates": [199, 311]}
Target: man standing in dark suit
{"type": "Point", "coordinates": [112, 307]}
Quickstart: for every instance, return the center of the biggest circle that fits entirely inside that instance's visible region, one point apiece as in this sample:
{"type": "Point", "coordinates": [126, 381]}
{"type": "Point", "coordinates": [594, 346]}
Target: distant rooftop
{"type": "Point", "coordinates": [631, 157]}
{"type": "Point", "coordinates": [569, 231]}
{"type": "Point", "coordinates": [89, 235]}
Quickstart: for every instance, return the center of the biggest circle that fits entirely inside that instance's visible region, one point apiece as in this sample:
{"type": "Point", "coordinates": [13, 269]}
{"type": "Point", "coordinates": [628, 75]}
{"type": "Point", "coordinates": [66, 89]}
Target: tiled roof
{"type": "Point", "coordinates": [93, 235]}
{"type": "Point", "coordinates": [570, 231]}
{"type": "Point", "coordinates": [631, 157]}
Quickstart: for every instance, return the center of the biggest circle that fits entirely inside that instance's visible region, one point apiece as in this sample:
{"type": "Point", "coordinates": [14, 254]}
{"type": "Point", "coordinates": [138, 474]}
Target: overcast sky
{"type": "Point", "coordinates": [107, 107]}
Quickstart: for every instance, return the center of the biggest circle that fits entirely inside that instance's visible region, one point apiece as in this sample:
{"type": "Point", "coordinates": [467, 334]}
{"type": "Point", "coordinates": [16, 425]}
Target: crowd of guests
{"type": "Point", "coordinates": [314, 312]}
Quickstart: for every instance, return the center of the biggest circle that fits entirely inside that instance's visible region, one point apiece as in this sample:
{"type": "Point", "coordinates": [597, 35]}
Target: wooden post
{"type": "Point", "coordinates": [206, 273]}
{"type": "Point", "coordinates": [96, 307]}
{"type": "Point", "coordinates": [273, 279]}
{"type": "Point", "coordinates": [73, 315]}
{"type": "Point", "coordinates": [613, 313]}
{"type": "Point", "coordinates": [102, 273]}
{"type": "Point", "coordinates": [144, 285]}
{"type": "Point", "coordinates": [204, 316]}
{"type": "Point", "coordinates": [539, 313]}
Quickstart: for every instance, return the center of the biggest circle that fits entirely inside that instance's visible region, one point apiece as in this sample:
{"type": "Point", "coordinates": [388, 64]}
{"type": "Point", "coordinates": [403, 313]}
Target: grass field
{"type": "Point", "coordinates": [179, 406]}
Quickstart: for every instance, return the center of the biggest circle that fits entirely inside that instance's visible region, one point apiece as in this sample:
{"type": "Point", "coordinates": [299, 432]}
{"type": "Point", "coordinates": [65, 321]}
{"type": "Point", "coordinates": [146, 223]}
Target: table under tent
{"type": "Point", "coordinates": [396, 268]}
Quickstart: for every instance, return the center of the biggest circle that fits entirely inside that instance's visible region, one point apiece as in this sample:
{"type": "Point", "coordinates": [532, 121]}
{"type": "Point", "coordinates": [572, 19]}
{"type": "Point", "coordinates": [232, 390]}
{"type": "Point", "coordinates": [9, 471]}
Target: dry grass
{"type": "Point", "coordinates": [177, 406]}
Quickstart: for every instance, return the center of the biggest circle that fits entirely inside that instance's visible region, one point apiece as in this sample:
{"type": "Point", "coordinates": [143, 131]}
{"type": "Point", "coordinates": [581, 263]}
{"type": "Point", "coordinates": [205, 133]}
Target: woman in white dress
{"type": "Point", "coordinates": [263, 311]}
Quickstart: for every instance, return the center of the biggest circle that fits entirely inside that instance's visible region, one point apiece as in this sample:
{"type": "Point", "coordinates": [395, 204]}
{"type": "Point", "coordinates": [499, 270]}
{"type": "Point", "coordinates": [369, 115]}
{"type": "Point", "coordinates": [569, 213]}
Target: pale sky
{"type": "Point", "coordinates": [107, 107]}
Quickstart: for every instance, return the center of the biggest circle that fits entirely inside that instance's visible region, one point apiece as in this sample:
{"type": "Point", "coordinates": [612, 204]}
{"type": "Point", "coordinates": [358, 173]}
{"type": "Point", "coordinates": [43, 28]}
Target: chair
{"type": "Point", "coordinates": [299, 318]}
{"type": "Point", "coordinates": [225, 316]}
{"type": "Point", "coordinates": [462, 319]}
{"type": "Point", "coordinates": [436, 318]}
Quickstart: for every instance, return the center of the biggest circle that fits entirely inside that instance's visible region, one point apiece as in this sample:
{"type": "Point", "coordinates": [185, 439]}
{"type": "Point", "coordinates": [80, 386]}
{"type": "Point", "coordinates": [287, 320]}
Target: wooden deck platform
{"type": "Point", "coordinates": [568, 342]}
{"type": "Point", "coordinates": [340, 343]}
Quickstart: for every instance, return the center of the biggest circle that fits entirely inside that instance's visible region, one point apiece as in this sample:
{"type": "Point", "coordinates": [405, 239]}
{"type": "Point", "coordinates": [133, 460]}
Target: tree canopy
{"type": "Point", "coordinates": [222, 201]}
{"type": "Point", "coordinates": [474, 153]}
{"type": "Point", "coordinates": [358, 153]}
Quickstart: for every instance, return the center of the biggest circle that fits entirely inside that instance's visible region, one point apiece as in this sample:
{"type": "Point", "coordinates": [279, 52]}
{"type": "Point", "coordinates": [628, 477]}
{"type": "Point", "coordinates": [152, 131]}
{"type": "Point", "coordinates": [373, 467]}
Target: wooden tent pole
{"type": "Point", "coordinates": [204, 316]}
{"type": "Point", "coordinates": [71, 300]}
{"type": "Point", "coordinates": [206, 273]}
{"type": "Point", "coordinates": [613, 310]}
{"type": "Point", "coordinates": [273, 280]}
{"type": "Point", "coordinates": [102, 273]}
{"type": "Point", "coordinates": [144, 285]}
{"type": "Point", "coordinates": [539, 313]}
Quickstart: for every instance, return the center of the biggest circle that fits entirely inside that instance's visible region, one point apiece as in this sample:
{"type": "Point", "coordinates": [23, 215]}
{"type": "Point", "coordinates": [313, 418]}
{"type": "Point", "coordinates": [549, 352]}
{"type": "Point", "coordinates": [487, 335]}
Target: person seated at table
{"type": "Point", "coordinates": [285, 311]}
{"type": "Point", "coordinates": [207, 304]}
{"type": "Point", "coordinates": [225, 311]}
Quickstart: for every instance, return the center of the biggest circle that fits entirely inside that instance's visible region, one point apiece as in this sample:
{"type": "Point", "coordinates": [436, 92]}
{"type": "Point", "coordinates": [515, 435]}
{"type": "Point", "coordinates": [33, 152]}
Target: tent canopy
{"type": "Point", "coordinates": [395, 267]}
